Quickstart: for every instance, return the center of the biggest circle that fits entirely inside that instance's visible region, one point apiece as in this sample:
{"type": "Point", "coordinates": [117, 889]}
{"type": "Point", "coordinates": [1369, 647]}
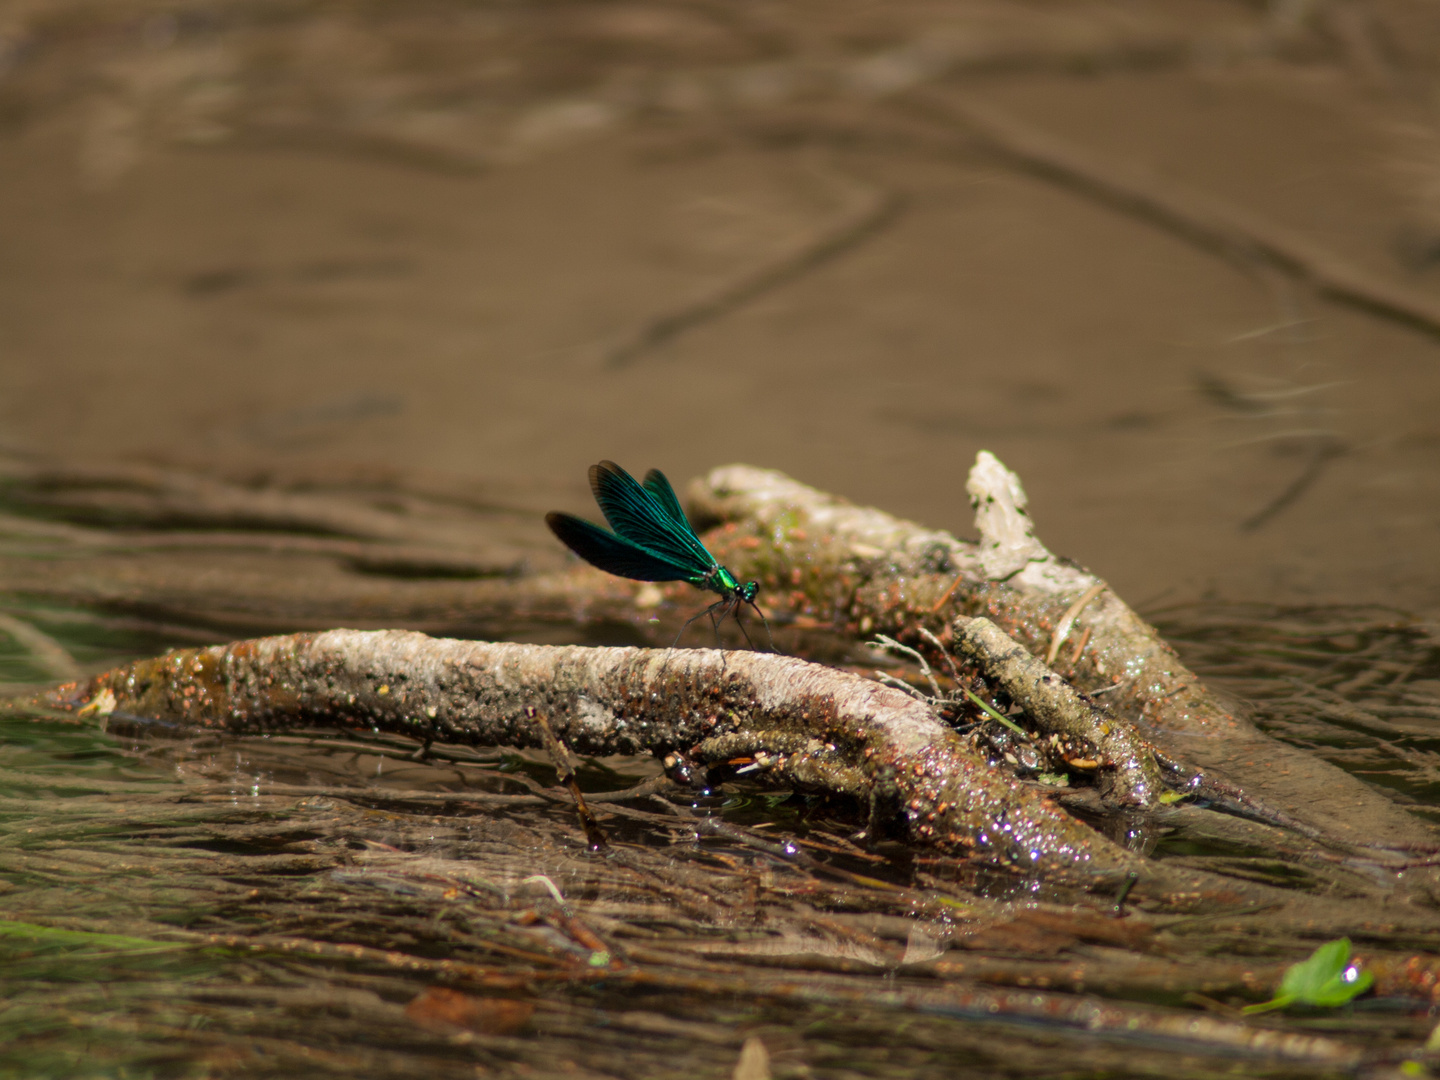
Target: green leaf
{"type": "Point", "coordinates": [1326, 979]}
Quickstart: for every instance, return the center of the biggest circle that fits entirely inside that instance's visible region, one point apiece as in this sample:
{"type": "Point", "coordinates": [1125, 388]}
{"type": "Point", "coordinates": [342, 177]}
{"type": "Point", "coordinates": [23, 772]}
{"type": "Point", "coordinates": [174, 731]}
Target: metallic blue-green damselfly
{"type": "Point", "coordinates": [652, 541]}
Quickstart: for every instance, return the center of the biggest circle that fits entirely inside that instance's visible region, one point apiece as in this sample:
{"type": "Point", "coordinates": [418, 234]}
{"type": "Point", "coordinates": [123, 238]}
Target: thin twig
{"type": "Point", "coordinates": [892, 645]}
{"type": "Point", "coordinates": [565, 767]}
{"type": "Point", "coordinates": [47, 654]}
{"type": "Point", "coordinates": [1062, 628]}
{"type": "Point", "coordinates": [899, 684]}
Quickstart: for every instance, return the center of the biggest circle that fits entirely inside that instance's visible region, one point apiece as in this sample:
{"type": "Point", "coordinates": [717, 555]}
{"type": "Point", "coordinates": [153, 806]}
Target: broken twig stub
{"type": "Point", "coordinates": [1056, 707]}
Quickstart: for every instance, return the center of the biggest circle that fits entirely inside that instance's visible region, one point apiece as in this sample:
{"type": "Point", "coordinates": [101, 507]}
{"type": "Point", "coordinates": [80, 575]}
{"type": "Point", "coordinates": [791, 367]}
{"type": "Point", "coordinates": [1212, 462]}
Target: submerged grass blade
{"type": "Point", "coordinates": [991, 712]}
{"type": "Point", "coordinates": [51, 935]}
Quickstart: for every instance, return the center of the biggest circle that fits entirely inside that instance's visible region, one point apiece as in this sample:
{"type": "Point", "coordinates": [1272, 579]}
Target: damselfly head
{"type": "Point", "coordinates": [748, 591]}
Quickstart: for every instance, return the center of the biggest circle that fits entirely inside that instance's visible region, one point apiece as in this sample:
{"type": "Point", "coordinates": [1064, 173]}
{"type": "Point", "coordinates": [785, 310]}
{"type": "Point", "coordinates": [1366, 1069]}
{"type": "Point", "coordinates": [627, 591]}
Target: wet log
{"type": "Point", "coordinates": [857, 570]}
{"type": "Point", "coordinates": [799, 724]}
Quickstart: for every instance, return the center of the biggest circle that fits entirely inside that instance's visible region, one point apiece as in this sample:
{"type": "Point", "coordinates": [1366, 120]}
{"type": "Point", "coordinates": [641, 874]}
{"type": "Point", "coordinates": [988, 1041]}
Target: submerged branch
{"type": "Point", "coordinates": [1201, 218]}
{"type": "Point", "coordinates": [872, 211]}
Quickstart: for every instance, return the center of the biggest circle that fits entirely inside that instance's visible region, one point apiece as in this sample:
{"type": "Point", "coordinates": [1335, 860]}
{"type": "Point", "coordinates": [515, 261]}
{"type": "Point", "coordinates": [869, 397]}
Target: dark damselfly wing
{"type": "Point", "coordinates": [638, 516]}
{"type": "Point", "coordinates": [661, 491]}
{"type": "Point", "coordinates": [611, 553]}
{"type": "Point", "coordinates": [652, 541]}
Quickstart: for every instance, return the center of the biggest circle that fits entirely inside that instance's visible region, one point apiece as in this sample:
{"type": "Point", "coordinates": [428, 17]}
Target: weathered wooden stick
{"type": "Point", "coordinates": [1056, 706]}
{"type": "Point", "coordinates": [804, 724]}
{"type": "Point", "coordinates": [857, 570]}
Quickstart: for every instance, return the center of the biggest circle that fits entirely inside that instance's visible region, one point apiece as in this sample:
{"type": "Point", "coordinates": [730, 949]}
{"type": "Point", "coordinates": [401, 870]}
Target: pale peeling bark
{"type": "Point", "coordinates": [827, 563]}
{"type": "Point", "coordinates": [806, 725]}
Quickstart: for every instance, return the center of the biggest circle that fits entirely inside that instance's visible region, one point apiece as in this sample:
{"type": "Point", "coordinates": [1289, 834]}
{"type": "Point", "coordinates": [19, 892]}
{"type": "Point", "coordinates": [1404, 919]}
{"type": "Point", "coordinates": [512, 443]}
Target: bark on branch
{"type": "Point", "coordinates": [804, 725]}
{"type": "Point", "coordinates": [824, 562]}
{"type": "Point", "coordinates": [1055, 705]}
